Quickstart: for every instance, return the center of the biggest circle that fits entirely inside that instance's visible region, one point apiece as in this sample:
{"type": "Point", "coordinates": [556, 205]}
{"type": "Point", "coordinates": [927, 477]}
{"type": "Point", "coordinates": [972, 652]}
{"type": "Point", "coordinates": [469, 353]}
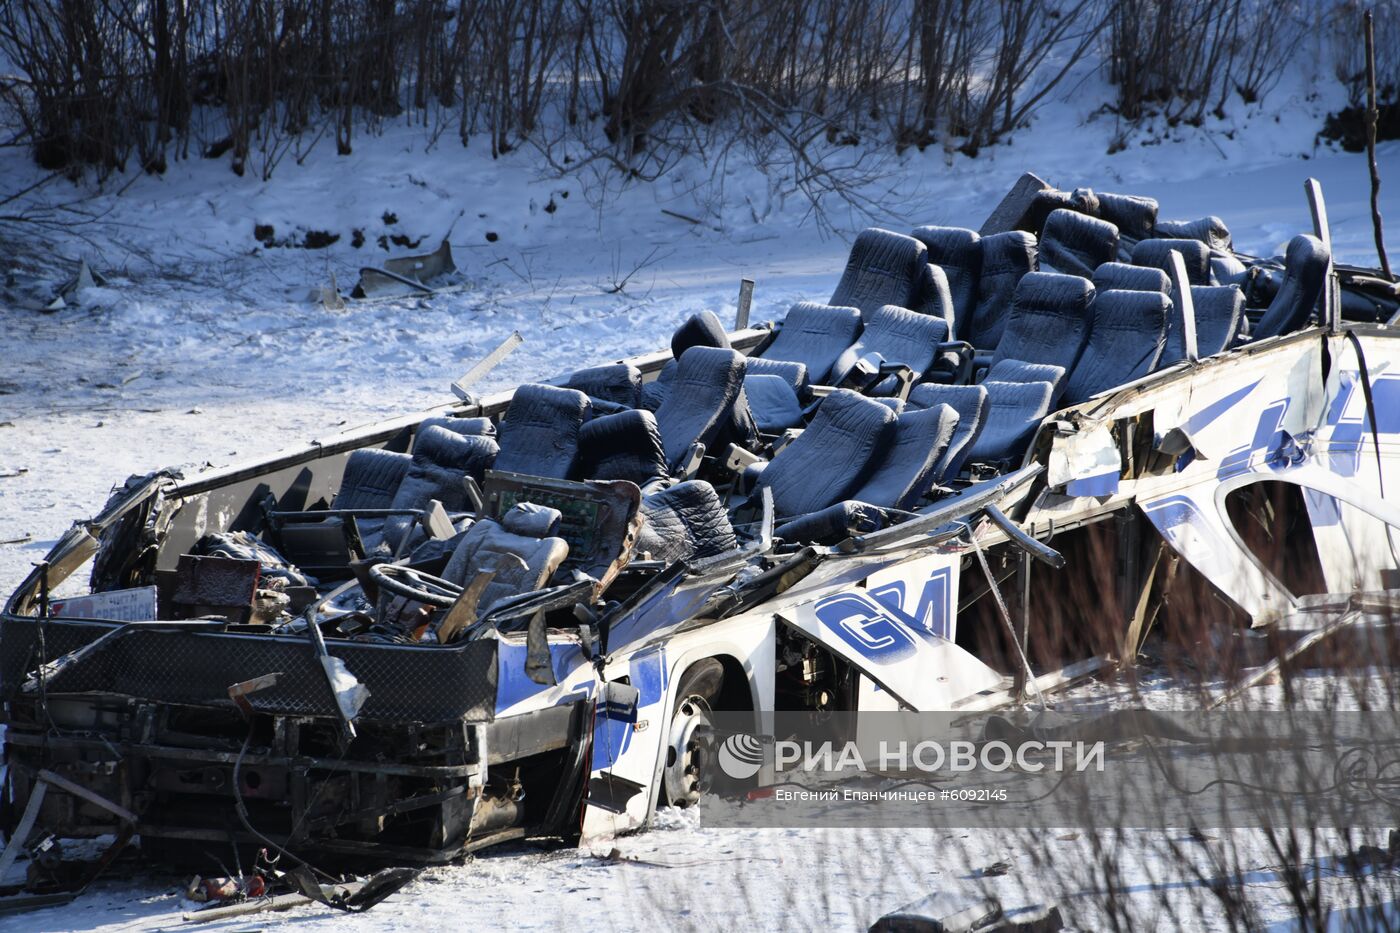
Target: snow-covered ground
{"type": "Point", "coordinates": [204, 349]}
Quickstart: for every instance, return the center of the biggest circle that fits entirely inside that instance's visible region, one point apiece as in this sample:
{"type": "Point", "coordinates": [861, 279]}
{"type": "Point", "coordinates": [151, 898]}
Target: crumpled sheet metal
{"type": "Point", "coordinates": [405, 275]}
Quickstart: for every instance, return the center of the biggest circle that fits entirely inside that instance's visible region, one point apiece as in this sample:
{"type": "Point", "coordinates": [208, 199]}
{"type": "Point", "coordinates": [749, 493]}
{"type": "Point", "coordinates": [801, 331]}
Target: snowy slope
{"type": "Point", "coordinates": [205, 349]}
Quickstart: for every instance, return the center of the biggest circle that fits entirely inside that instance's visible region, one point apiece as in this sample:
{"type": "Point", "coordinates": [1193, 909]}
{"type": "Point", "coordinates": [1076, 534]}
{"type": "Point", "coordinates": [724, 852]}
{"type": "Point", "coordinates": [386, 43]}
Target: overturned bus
{"type": "Point", "coordinates": [515, 615]}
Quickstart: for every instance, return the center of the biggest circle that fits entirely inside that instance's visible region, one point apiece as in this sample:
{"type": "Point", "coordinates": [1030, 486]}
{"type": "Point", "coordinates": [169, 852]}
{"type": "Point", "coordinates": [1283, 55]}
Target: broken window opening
{"type": "Point", "coordinates": [1272, 522]}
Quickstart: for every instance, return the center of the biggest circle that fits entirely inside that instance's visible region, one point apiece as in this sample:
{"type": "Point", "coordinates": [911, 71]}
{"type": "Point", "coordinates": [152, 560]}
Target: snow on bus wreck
{"type": "Point", "coordinates": [515, 614]}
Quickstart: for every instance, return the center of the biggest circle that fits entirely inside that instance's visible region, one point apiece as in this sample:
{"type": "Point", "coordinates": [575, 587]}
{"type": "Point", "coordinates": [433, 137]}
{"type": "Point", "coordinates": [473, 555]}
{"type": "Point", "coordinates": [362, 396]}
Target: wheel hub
{"type": "Point", "coordinates": [688, 752]}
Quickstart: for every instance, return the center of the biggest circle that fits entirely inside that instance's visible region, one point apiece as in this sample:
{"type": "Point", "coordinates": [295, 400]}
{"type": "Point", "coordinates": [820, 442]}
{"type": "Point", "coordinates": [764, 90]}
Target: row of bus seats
{"type": "Point", "coordinates": [1080, 296]}
{"type": "Point", "coordinates": [936, 358]}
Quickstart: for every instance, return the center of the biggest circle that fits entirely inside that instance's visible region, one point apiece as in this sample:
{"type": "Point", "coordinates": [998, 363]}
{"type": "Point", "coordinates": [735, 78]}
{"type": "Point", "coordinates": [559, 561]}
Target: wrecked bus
{"type": "Point", "coordinates": [515, 615]}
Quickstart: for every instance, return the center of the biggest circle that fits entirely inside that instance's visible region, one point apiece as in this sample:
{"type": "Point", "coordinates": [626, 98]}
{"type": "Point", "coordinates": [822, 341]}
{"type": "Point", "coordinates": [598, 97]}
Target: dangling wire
{"type": "Point", "coordinates": [1375, 431]}
{"type": "Point", "coordinates": [1005, 615]}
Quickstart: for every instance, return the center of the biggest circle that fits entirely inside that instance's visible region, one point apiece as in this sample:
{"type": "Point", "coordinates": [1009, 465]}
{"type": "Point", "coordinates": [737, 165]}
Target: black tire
{"type": "Point", "coordinates": [690, 740]}
{"type": "Point", "coordinates": [704, 679]}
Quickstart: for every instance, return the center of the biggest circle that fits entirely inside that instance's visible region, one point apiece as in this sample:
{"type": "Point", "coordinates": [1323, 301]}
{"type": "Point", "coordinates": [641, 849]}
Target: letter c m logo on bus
{"type": "Point", "coordinates": [869, 628]}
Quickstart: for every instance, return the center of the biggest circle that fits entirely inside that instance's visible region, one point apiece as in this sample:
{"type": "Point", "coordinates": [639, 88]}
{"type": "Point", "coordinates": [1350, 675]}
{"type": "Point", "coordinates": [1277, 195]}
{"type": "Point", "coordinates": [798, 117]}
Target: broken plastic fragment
{"type": "Point", "coordinates": [350, 694]}
{"type": "Point", "coordinates": [1089, 453]}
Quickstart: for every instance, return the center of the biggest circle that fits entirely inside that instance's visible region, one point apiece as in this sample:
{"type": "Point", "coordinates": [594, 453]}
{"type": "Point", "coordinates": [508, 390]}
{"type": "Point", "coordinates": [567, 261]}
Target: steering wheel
{"type": "Point", "coordinates": [415, 584]}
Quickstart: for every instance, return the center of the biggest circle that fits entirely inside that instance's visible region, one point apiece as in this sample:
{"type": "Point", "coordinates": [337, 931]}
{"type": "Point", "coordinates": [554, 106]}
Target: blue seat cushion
{"type": "Point", "coordinates": [884, 268]}
{"type": "Point", "coordinates": [1006, 259]}
{"type": "Point", "coordinates": [834, 523]}
{"type": "Point", "coordinates": [1219, 314]}
{"type": "Point", "coordinates": [970, 403]}
{"type": "Point", "coordinates": [1156, 254]}
{"type": "Point", "coordinates": [1304, 277]}
{"type": "Point", "coordinates": [684, 522]}
{"type": "Point", "coordinates": [626, 446]}
{"type": "Point", "coordinates": [1121, 275]}
{"type": "Point", "coordinates": [1125, 343]}
{"type": "Point", "coordinates": [815, 335]}
{"type": "Point", "coordinates": [832, 457]}
{"type": "Point", "coordinates": [1049, 320]}
{"type": "Point", "coordinates": [371, 478]}
{"type": "Point", "coordinates": [702, 329]}
{"type": "Point", "coordinates": [539, 434]}
{"type": "Point", "coordinates": [700, 402]}
{"type": "Point", "coordinates": [908, 468]}
{"type": "Point", "coordinates": [772, 402]}
{"type": "Point", "coordinates": [794, 374]}
{"type": "Point", "coordinates": [894, 335]}
{"type": "Point", "coordinates": [958, 252]}
{"type": "Point", "coordinates": [1014, 412]}
{"type": "Point", "coordinates": [440, 461]}
{"type": "Point", "coordinates": [1076, 244]}
{"type": "Point", "coordinates": [1021, 371]}
{"type": "Point", "coordinates": [1209, 230]}
{"type": "Point", "coordinates": [618, 383]}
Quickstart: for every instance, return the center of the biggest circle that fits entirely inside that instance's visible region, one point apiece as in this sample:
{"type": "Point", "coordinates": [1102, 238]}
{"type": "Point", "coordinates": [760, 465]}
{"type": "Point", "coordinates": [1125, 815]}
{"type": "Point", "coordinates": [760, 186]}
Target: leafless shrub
{"type": "Point", "coordinates": [984, 67]}
{"type": "Point", "coordinates": [814, 89]}
{"type": "Point", "coordinates": [1347, 48]}
{"type": "Point", "coordinates": [1183, 58]}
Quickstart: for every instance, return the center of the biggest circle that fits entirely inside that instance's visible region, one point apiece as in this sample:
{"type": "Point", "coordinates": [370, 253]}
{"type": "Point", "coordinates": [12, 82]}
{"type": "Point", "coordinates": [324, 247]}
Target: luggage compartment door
{"type": "Point", "coordinates": [896, 627]}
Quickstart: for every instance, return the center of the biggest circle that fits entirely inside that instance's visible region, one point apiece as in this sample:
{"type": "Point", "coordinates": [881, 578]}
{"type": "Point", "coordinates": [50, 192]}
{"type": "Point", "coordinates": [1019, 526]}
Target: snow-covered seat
{"type": "Point", "coordinates": [1125, 342]}
{"type": "Point", "coordinates": [1077, 244]}
{"type": "Point", "coordinates": [815, 335]}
